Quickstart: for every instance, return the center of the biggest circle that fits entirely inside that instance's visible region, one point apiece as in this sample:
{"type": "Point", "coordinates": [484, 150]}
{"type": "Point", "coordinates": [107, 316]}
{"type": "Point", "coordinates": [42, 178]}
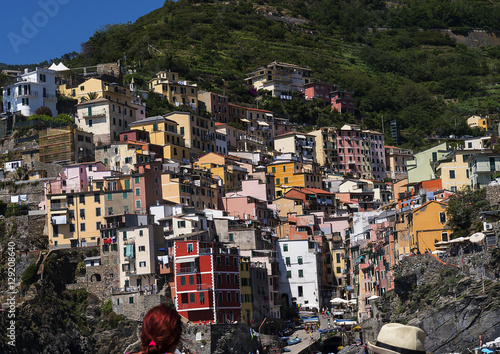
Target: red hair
{"type": "Point", "coordinates": [161, 330]}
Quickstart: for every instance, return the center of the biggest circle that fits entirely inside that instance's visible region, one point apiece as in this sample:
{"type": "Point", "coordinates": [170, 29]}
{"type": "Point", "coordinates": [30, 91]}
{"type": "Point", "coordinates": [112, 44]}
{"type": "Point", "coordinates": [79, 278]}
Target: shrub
{"type": "Point", "coordinates": [29, 276]}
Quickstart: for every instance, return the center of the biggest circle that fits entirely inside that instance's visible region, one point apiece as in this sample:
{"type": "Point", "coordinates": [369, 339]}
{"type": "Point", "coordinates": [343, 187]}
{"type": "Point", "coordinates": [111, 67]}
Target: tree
{"type": "Point", "coordinates": [90, 96]}
{"type": "Point", "coordinates": [45, 111]}
{"type": "Point", "coordinates": [464, 211]}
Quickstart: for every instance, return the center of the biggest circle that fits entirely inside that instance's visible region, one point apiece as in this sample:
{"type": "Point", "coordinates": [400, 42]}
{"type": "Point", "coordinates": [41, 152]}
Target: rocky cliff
{"type": "Point", "coordinates": [453, 304]}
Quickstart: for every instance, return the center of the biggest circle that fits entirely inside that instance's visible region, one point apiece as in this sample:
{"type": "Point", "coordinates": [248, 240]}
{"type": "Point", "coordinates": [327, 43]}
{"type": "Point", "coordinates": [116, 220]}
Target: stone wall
{"type": "Point", "coordinates": [134, 305]}
{"type": "Point", "coordinates": [493, 196]}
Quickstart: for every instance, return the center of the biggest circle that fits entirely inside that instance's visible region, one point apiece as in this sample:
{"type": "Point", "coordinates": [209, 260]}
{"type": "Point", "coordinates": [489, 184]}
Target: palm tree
{"type": "Point", "coordinates": [90, 96]}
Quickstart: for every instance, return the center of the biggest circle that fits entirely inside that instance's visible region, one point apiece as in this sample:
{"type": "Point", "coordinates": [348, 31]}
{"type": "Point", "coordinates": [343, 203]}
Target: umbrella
{"type": "Point", "coordinates": [373, 297]}
{"type": "Point", "coordinates": [487, 351]}
{"type": "Point", "coordinates": [353, 301]}
{"type": "Point", "coordinates": [477, 237]}
{"type": "Point", "coordinates": [338, 300]}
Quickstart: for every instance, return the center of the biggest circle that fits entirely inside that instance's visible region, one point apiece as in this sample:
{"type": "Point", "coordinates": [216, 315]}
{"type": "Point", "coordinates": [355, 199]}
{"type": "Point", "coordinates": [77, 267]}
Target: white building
{"type": "Point", "coordinates": [136, 247]}
{"type": "Point", "coordinates": [221, 143]}
{"type": "Point", "coordinates": [31, 91]}
{"type": "Point", "coordinates": [105, 119]}
{"type": "Point", "coordinates": [300, 272]}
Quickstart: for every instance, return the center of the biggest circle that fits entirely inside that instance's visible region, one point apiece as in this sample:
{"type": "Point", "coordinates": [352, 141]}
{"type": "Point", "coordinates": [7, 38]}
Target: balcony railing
{"type": "Point", "coordinates": [26, 94]}
{"type": "Point", "coordinates": [130, 241]}
{"type": "Point", "coordinates": [185, 270]}
{"type": "Point", "coordinates": [131, 272]}
{"type": "Point", "coordinates": [58, 206]}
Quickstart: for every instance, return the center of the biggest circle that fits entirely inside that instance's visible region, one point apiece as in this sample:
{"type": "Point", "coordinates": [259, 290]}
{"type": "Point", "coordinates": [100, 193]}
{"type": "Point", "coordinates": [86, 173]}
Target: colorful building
{"type": "Point", "coordinates": [207, 283]}
{"type": "Point", "coordinates": [177, 92]}
{"type": "Point", "coordinates": [291, 173]}
{"type": "Point", "coordinates": [427, 225]}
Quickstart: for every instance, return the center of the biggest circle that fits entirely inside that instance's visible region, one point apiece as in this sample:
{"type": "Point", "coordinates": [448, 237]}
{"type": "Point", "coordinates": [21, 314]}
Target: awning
{"type": "Point", "coordinates": [59, 212]}
{"type": "Point", "coordinates": [58, 197]}
{"type": "Point", "coordinates": [59, 220]}
{"type": "Point", "coordinates": [477, 237]}
{"type": "Point", "coordinates": [300, 136]}
{"type": "Point", "coordinates": [359, 259]}
{"type": "Point", "coordinates": [185, 260]}
{"type": "Point", "coordinates": [373, 297]}
{"type": "Point", "coordinates": [244, 120]}
{"type": "Point", "coordinates": [263, 123]}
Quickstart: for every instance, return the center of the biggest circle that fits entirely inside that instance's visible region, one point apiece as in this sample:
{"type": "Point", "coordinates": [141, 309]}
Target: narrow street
{"type": "Point", "coordinates": [306, 337]}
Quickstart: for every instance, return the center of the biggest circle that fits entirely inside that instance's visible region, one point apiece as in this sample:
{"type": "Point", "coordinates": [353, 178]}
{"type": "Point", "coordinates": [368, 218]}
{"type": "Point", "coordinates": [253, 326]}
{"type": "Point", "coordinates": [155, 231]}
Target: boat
{"type": "Point", "coordinates": [294, 341]}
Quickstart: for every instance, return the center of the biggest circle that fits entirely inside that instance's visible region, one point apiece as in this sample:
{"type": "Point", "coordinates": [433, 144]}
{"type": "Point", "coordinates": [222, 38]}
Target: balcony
{"type": "Point", "coordinates": [186, 270]}
{"type": "Point", "coordinates": [129, 241]}
{"type": "Point", "coordinates": [206, 251]}
{"type": "Point", "coordinates": [131, 272]}
{"type": "Point", "coordinates": [113, 225]}
{"type": "Point", "coordinates": [49, 96]}
{"type": "Point", "coordinates": [26, 94]}
{"type": "Point", "coordinates": [58, 206]}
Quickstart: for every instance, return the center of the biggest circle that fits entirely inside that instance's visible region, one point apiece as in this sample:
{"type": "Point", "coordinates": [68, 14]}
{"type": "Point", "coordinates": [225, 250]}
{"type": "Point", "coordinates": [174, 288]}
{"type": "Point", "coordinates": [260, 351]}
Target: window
{"type": "Point", "coordinates": [142, 264]}
{"type": "Point", "coordinates": [227, 262]}
{"type": "Point", "coordinates": [131, 300]}
{"type": "Point", "coordinates": [202, 298]}
{"type": "Point", "coordinates": [452, 174]}
{"type": "Point", "coordinates": [183, 280]}
{"type": "Point", "coordinates": [274, 169]}
{"type": "Point", "coordinates": [142, 248]}
{"type": "Point", "coordinates": [97, 198]}
{"type": "Point", "coordinates": [82, 226]}
{"type": "Point", "coordinates": [442, 217]}
{"type": "Point", "coordinates": [125, 195]}
{"type": "Point", "coordinates": [138, 204]}
{"type": "Point", "coordinates": [110, 196]}
{"type": "Point", "coordinates": [228, 296]}
{"type": "Point", "coordinates": [299, 260]}
{"type": "Point", "coordinates": [82, 213]}
{"type": "Point", "coordinates": [228, 279]}
{"type": "Point", "coordinates": [300, 291]}
{"type": "Point", "coordinates": [190, 247]}
{"type": "Point", "coordinates": [301, 273]}
{"type": "Point", "coordinates": [277, 181]}
{"type": "Point", "coordinates": [285, 247]}
{"type": "Point", "coordinates": [444, 236]}
{"type": "Point", "coordinates": [98, 225]}
{"type": "Point", "coordinates": [231, 236]}
{"type": "Point", "coordinates": [287, 261]}
{"type": "Point", "coordinates": [191, 297]}
{"type": "Point", "coordinates": [288, 274]}
{"type": "Point", "coordinates": [137, 191]}
{"type": "Point", "coordinates": [191, 280]}
{"type": "Point", "coordinates": [71, 227]}
{"type": "Point", "coordinates": [339, 270]}
{"type": "Point", "coordinates": [81, 199]}
{"type": "Point", "coordinates": [127, 184]}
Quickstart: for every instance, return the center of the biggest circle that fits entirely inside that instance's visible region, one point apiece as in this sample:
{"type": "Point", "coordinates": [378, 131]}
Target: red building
{"type": "Point", "coordinates": [342, 101]}
{"type": "Point", "coordinates": [319, 91]}
{"type": "Point", "coordinates": [146, 180]}
{"type": "Point", "coordinates": [207, 282]}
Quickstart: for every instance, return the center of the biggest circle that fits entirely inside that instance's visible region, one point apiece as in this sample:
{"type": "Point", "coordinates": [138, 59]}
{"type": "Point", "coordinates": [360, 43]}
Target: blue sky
{"type": "Point", "coordinates": [32, 31]}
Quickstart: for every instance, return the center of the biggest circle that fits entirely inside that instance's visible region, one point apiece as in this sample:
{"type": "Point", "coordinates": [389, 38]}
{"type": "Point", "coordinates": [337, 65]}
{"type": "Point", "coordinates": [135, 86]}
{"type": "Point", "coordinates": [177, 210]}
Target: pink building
{"type": "Point", "coordinates": [256, 188]}
{"type": "Point", "coordinates": [342, 101]}
{"type": "Point", "coordinates": [77, 178]}
{"type": "Point", "coordinates": [352, 149]}
{"type": "Point", "coordinates": [377, 154]}
{"type": "Point", "coordinates": [247, 208]}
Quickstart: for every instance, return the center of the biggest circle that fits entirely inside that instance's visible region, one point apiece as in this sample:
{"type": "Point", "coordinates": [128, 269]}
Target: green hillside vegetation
{"type": "Point", "coordinates": [388, 53]}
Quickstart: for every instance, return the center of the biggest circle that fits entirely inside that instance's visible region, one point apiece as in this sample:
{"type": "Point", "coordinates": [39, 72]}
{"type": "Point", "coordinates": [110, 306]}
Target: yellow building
{"type": "Point", "coordinates": [190, 187]}
{"type": "Point", "coordinates": [226, 168]}
{"type": "Point", "coordinates": [453, 169]}
{"type": "Point", "coordinates": [102, 89]}
{"type": "Point", "coordinates": [174, 90]}
{"type": "Point", "coordinates": [483, 123]}
{"type": "Point", "coordinates": [75, 219]}
{"type": "Point", "coordinates": [166, 133]}
{"type": "Point", "coordinates": [198, 132]}
{"type": "Point", "coordinates": [288, 174]}
{"type": "Point", "coordinates": [427, 225]}
{"type": "Point", "coordinates": [286, 205]}
{"type": "Point", "coordinates": [246, 290]}
{"type": "Point", "coordinates": [326, 147]}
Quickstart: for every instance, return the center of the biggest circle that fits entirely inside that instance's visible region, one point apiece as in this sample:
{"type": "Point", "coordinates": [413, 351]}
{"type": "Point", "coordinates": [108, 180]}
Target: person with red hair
{"type": "Point", "coordinates": [161, 330]}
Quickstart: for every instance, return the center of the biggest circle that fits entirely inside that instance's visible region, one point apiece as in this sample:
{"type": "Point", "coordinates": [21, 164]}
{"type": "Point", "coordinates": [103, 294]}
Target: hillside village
{"type": "Point", "coordinates": [233, 213]}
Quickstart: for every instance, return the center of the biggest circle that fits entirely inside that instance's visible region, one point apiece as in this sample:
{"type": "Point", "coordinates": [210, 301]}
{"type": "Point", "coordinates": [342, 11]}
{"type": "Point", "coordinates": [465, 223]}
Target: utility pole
{"type": "Point", "coordinates": [383, 130]}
